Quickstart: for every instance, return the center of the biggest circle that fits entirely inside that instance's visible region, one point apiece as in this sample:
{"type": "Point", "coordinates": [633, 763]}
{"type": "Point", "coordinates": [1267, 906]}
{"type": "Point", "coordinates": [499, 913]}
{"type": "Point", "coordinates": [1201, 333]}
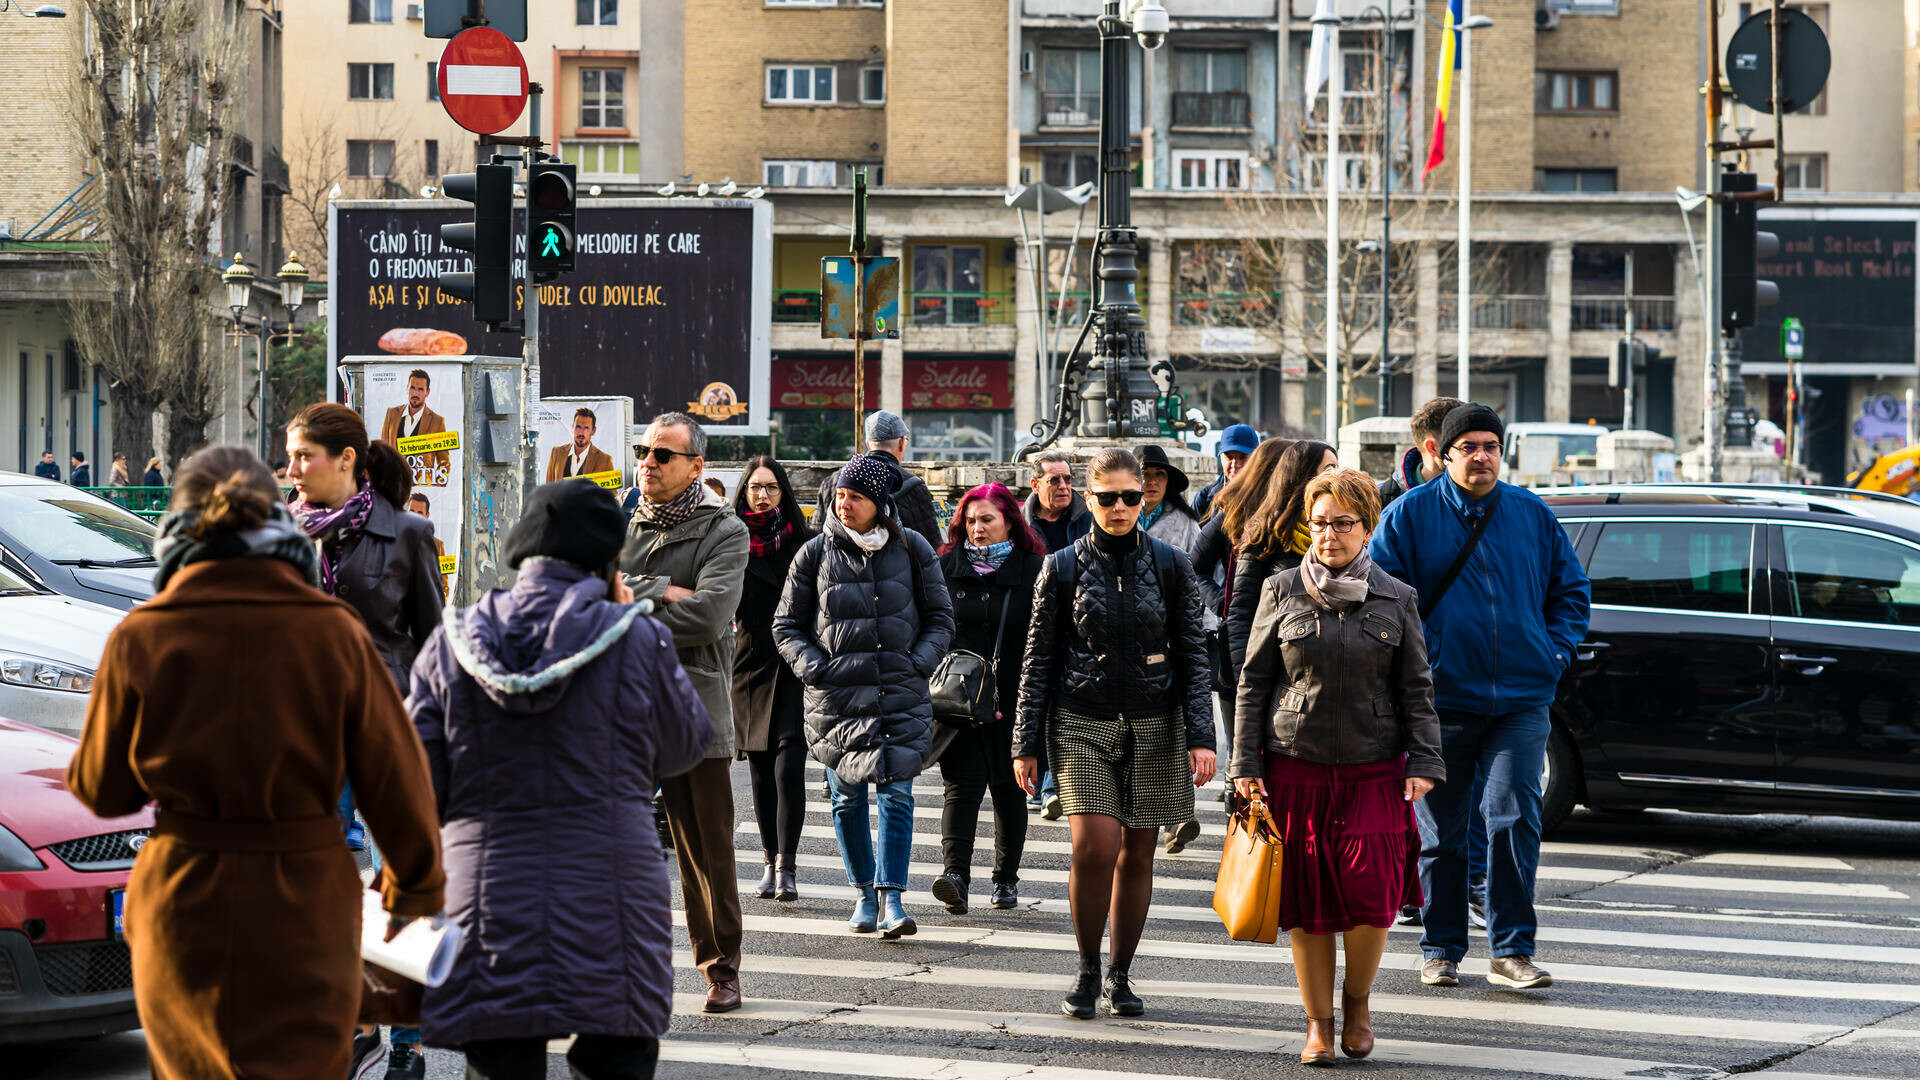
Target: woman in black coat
{"type": "Point", "coordinates": [1274, 539]}
{"type": "Point", "coordinates": [991, 560]}
{"type": "Point", "coordinates": [863, 622]}
{"type": "Point", "coordinates": [769, 711]}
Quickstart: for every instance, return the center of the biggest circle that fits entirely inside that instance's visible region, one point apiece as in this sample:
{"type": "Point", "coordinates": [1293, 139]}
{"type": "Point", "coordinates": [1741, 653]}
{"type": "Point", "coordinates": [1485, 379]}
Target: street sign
{"type": "Point", "coordinates": [483, 80]}
{"type": "Point", "coordinates": [880, 299]}
{"type": "Point", "coordinates": [1805, 61]}
{"type": "Point", "coordinates": [443, 17]}
{"type": "Point", "coordinates": [1793, 340]}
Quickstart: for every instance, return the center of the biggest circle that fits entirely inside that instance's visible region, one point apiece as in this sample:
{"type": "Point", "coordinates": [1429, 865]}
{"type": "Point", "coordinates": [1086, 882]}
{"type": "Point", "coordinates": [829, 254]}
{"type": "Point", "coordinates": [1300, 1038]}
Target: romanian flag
{"type": "Point", "coordinates": [1443, 94]}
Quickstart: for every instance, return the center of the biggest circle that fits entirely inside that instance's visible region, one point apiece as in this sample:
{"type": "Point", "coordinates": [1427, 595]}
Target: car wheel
{"type": "Point", "coordinates": [1559, 780]}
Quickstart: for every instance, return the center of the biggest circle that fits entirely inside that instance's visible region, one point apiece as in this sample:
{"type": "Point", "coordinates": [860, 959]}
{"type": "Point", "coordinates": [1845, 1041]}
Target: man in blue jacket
{"type": "Point", "coordinates": [1502, 623]}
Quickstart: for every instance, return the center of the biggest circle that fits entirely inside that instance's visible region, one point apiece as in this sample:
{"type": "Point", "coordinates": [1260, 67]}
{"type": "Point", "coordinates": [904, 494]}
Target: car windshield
{"type": "Point", "coordinates": [14, 586]}
{"type": "Point", "coordinates": [69, 526]}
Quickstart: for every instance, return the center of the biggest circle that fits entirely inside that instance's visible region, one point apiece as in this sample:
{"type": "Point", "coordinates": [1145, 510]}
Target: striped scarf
{"type": "Point", "coordinates": [666, 515]}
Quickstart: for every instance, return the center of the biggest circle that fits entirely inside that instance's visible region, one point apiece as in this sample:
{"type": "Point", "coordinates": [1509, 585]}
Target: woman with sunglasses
{"type": "Point", "coordinates": [769, 707]}
{"type": "Point", "coordinates": [1114, 694]}
{"type": "Point", "coordinates": [1274, 538]}
{"type": "Point", "coordinates": [1337, 727]}
{"type": "Point", "coordinates": [864, 621]}
{"type": "Point", "coordinates": [992, 559]}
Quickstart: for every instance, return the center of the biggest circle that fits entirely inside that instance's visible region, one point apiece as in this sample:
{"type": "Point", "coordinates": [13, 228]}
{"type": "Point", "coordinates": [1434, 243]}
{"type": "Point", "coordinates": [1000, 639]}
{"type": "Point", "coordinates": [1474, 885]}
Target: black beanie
{"type": "Point", "coordinates": [1472, 416]}
{"type": "Point", "coordinates": [575, 520]}
{"type": "Point", "coordinates": [870, 476]}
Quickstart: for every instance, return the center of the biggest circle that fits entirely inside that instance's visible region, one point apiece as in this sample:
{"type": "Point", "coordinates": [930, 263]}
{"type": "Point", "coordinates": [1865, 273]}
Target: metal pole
{"type": "Point", "coordinates": [1118, 394]}
{"type": "Point", "coordinates": [859, 251]}
{"type": "Point", "coordinates": [530, 312]}
{"type": "Point", "coordinates": [1463, 314]}
{"type": "Point", "coordinates": [1713, 429]}
{"type": "Point", "coordinates": [1385, 75]}
{"type": "Point", "coordinates": [1626, 376]}
{"type": "Point", "coordinates": [1793, 415]}
{"type": "Point", "coordinates": [1336, 85]}
{"type": "Point", "coordinates": [260, 367]}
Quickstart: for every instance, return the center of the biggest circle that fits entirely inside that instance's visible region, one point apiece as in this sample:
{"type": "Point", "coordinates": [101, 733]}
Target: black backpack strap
{"type": "Point", "coordinates": [1164, 570]}
{"type": "Point", "coordinates": [1066, 567]}
{"type": "Point", "coordinates": [1427, 605]}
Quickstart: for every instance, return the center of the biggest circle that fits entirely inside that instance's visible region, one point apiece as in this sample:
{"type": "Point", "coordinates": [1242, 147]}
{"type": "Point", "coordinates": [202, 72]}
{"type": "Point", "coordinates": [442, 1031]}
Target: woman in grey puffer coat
{"type": "Point", "coordinates": [864, 620]}
{"type": "Point", "coordinates": [549, 713]}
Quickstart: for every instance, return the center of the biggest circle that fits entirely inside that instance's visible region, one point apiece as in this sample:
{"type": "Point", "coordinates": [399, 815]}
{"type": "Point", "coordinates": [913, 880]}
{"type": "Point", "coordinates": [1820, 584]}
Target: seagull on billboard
{"type": "Point", "coordinates": [1449, 63]}
{"type": "Point", "coordinates": [1319, 58]}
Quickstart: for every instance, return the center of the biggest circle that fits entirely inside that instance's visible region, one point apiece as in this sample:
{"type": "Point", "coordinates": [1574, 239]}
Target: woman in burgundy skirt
{"type": "Point", "coordinates": [1335, 727]}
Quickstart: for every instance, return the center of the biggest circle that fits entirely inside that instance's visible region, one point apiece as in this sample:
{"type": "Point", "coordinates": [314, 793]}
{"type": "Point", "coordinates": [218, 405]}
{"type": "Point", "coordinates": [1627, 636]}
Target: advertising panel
{"type": "Point", "coordinates": [417, 408]}
{"type": "Point", "coordinates": [1849, 282]}
{"type": "Point", "coordinates": [585, 437]}
{"type": "Point", "coordinates": [946, 384]}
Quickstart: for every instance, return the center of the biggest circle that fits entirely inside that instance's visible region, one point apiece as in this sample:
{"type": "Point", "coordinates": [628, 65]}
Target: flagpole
{"type": "Point", "coordinates": [1463, 317]}
{"type": "Point", "coordinates": [1336, 85]}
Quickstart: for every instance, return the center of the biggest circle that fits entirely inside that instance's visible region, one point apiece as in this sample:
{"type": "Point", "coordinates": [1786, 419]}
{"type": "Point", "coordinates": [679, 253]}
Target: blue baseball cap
{"type": "Point", "coordinates": [1239, 437]}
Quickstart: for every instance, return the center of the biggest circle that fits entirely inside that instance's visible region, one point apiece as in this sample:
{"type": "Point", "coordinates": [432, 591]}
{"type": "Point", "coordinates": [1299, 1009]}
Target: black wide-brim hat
{"type": "Point", "coordinates": [1155, 457]}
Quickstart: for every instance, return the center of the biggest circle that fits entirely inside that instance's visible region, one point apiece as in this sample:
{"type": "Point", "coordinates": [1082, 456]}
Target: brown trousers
{"type": "Point", "coordinates": [699, 806]}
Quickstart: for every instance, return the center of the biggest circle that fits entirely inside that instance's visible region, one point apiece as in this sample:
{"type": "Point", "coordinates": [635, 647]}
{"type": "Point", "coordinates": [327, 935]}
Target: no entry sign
{"type": "Point", "coordinates": [483, 80]}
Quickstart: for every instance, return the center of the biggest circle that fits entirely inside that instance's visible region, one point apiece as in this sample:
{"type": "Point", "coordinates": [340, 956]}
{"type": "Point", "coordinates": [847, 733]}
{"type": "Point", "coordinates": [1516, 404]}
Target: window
{"type": "Point", "coordinates": [1805, 172]}
{"type": "Point", "coordinates": [948, 281]}
{"type": "Point", "coordinates": [430, 157]}
{"type": "Point", "coordinates": [873, 85]}
{"type": "Point", "coordinates": [433, 80]}
{"type": "Point", "coordinates": [1575, 91]}
{"type": "Point", "coordinates": [1682, 565]}
{"type": "Point", "coordinates": [1069, 87]}
{"type": "Point", "coordinates": [603, 98]}
{"type": "Point", "coordinates": [369, 157]}
{"type": "Point", "coordinates": [369, 11]}
{"type": "Point", "coordinates": [370, 82]}
{"type": "Point", "coordinates": [1201, 169]}
{"type": "Point", "coordinates": [1069, 168]}
{"type": "Point", "coordinates": [1839, 575]}
{"type": "Point", "coordinates": [801, 85]}
{"type": "Point", "coordinates": [1577, 180]}
{"type": "Point", "coordinates": [608, 161]}
{"type": "Point", "coordinates": [1587, 7]}
{"type": "Point", "coordinates": [1210, 88]}
{"type": "Point", "coordinates": [798, 173]}
{"type": "Point", "coordinates": [803, 3]}
{"type": "Point", "coordinates": [596, 12]}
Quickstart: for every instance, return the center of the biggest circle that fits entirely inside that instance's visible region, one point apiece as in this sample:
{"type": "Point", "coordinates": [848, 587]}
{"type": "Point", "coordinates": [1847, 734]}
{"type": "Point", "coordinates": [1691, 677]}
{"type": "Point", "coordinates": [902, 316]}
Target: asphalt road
{"type": "Point", "coordinates": [1683, 946]}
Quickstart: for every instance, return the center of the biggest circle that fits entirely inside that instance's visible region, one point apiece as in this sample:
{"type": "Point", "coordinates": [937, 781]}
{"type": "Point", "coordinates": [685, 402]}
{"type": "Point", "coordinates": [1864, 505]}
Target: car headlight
{"type": "Point", "coordinates": [15, 854]}
{"type": "Point", "coordinates": [32, 671]}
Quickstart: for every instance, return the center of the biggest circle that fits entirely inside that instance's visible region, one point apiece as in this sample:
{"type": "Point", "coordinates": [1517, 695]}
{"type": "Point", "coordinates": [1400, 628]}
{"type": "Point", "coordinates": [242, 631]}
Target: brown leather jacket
{"type": "Point", "coordinates": [1347, 688]}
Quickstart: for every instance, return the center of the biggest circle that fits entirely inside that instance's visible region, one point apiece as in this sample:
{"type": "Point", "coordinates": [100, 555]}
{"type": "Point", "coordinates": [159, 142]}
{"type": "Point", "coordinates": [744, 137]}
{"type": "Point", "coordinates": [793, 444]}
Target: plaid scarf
{"type": "Point", "coordinates": [666, 515]}
{"type": "Point", "coordinates": [767, 531]}
{"type": "Point", "coordinates": [333, 527]}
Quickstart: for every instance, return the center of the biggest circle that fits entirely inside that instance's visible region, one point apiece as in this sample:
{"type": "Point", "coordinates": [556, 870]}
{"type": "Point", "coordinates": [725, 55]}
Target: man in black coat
{"type": "Point", "coordinates": [82, 476]}
{"type": "Point", "coordinates": [47, 469]}
{"type": "Point", "coordinates": [912, 502]}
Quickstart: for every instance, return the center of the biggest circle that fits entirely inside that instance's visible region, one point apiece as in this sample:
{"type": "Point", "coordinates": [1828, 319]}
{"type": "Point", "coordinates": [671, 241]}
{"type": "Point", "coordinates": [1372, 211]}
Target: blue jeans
{"type": "Point", "coordinates": [851, 830]}
{"type": "Point", "coordinates": [1477, 829]}
{"type": "Point", "coordinates": [1510, 750]}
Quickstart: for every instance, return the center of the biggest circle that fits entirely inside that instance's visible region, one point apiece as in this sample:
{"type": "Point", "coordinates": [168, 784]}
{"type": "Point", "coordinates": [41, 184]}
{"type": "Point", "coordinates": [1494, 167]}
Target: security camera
{"type": "Point", "coordinates": [1150, 24]}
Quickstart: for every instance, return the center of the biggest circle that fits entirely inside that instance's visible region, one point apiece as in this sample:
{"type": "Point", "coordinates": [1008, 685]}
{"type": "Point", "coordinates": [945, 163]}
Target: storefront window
{"type": "Point", "coordinates": [956, 436]}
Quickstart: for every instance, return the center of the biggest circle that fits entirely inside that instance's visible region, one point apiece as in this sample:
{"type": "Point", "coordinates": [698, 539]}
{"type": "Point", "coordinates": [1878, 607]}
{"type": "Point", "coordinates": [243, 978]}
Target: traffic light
{"type": "Point", "coordinates": [489, 287]}
{"type": "Point", "coordinates": [550, 204]}
{"type": "Point", "coordinates": [1629, 354]}
{"type": "Point", "coordinates": [1742, 245]}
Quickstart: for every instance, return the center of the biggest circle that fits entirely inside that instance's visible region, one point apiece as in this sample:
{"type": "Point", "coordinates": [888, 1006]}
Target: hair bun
{"type": "Point", "coordinates": [235, 504]}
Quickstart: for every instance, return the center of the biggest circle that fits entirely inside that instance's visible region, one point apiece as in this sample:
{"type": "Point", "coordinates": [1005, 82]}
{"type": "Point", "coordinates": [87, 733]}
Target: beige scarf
{"type": "Point", "coordinates": [1336, 590]}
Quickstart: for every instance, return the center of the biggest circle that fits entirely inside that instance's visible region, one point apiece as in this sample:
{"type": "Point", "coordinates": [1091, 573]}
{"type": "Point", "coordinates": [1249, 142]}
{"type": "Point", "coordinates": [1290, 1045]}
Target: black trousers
{"type": "Point", "coordinates": [593, 1057]}
{"type": "Point", "coordinates": [960, 822]}
{"type": "Point", "coordinates": [779, 779]}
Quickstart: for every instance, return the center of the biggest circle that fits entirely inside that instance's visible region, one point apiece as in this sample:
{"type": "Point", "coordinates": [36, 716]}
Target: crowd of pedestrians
{"type": "Point", "coordinates": [638, 652]}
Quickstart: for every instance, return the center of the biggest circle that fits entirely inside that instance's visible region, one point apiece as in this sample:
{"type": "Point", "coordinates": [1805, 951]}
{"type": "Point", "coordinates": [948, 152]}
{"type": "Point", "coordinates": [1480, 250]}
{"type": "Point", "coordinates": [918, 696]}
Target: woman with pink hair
{"type": "Point", "coordinates": [991, 559]}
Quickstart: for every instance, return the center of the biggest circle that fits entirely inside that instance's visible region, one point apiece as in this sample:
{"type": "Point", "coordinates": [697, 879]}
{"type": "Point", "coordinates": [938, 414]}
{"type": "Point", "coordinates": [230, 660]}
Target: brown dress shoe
{"type": "Point", "coordinates": [1356, 1026]}
{"type": "Point", "coordinates": [722, 997]}
{"type": "Point", "coordinates": [1319, 1049]}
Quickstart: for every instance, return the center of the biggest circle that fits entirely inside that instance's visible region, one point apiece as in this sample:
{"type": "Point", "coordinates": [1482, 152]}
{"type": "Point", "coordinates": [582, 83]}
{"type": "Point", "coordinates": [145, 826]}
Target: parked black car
{"type": "Point", "coordinates": [75, 543]}
{"type": "Point", "coordinates": [1753, 648]}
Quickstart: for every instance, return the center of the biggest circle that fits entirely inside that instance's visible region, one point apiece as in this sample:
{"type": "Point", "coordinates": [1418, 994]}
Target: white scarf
{"type": "Point", "coordinates": [872, 540]}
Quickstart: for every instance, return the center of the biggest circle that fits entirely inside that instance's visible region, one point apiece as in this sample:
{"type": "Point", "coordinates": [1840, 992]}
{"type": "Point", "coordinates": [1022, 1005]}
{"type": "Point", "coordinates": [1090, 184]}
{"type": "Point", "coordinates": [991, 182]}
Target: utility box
{"type": "Point", "coordinates": [461, 424]}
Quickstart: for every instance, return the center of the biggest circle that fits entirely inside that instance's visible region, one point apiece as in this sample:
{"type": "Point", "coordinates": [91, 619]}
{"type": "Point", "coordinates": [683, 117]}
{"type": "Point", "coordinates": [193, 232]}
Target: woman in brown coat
{"type": "Point", "coordinates": [243, 913]}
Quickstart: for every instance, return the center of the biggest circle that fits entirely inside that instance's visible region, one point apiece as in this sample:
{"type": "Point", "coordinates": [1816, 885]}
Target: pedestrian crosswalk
{"type": "Point", "coordinates": [1667, 963]}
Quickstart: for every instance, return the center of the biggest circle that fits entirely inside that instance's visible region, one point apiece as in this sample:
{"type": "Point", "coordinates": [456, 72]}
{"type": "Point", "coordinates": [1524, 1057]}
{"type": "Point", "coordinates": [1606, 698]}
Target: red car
{"type": "Point", "coordinates": [64, 969]}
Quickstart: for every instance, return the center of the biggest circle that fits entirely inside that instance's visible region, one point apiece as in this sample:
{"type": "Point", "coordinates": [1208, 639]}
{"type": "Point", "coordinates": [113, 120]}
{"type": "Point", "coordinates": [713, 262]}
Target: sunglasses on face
{"type": "Point", "coordinates": [1131, 498]}
{"type": "Point", "coordinates": [661, 454]}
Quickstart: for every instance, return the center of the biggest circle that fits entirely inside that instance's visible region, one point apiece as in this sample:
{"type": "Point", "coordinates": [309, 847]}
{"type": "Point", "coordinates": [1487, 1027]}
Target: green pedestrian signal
{"type": "Point", "coordinates": [550, 244]}
{"type": "Point", "coordinates": [550, 212]}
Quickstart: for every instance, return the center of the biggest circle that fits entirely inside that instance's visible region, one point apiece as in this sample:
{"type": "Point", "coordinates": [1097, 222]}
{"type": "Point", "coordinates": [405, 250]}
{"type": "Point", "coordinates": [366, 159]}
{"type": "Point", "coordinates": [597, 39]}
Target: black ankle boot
{"type": "Point", "coordinates": [785, 889]}
{"type": "Point", "coordinates": [1086, 990]}
{"type": "Point", "coordinates": [1118, 995]}
{"type": "Point", "coordinates": [765, 891]}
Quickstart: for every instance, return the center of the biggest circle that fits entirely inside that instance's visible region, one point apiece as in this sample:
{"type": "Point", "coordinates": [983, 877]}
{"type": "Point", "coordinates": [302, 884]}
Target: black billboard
{"type": "Point", "coordinates": [671, 303]}
{"type": "Point", "coordinates": [1849, 282]}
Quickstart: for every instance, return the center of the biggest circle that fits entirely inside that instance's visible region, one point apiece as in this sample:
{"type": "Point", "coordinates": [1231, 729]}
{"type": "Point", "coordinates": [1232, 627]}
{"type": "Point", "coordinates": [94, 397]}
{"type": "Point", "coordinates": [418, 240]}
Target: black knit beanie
{"type": "Point", "coordinates": [1472, 416]}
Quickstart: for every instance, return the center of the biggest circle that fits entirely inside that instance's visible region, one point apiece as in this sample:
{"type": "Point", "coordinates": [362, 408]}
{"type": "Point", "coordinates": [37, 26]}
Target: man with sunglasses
{"type": "Point", "coordinates": [912, 503]}
{"type": "Point", "coordinates": [686, 550]}
{"type": "Point", "coordinates": [1054, 513]}
{"type": "Point", "coordinates": [1504, 602]}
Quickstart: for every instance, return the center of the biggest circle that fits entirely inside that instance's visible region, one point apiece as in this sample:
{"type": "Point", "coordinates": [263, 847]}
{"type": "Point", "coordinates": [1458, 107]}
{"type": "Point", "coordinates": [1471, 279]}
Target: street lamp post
{"type": "Point", "coordinates": [293, 288]}
{"type": "Point", "coordinates": [1384, 75]}
{"type": "Point", "coordinates": [1463, 245]}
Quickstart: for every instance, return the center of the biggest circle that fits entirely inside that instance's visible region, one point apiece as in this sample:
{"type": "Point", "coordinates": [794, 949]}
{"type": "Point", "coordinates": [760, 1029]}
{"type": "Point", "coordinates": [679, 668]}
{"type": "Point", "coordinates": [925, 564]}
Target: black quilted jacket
{"type": "Point", "coordinates": [1116, 645]}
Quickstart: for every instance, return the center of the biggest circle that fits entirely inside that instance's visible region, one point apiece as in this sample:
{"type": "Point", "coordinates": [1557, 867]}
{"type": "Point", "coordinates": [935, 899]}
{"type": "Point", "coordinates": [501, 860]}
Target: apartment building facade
{"type": "Point", "coordinates": [48, 231]}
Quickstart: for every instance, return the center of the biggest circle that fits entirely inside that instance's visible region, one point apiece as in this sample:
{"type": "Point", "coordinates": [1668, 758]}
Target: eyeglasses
{"type": "Point", "coordinates": [763, 489]}
{"type": "Point", "coordinates": [1468, 449]}
{"type": "Point", "coordinates": [661, 454]}
{"type": "Point", "coordinates": [1131, 498]}
{"type": "Point", "coordinates": [1339, 526]}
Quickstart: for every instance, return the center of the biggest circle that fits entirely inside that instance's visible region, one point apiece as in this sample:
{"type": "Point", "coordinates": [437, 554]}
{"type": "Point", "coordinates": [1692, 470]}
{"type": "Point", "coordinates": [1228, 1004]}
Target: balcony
{"type": "Point", "coordinates": [796, 305]}
{"type": "Point", "coordinates": [1223, 109]}
{"type": "Point", "coordinates": [1226, 309]}
{"type": "Point", "coordinates": [1179, 9]}
{"type": "Point", "coordinates": [961, 309]}
{"type": "Point", "coordinates": [1610, 313]}
{"type": "Point", "coordinates": [240, 153]}
{"type": "Point", "coordinates": [1497, 312]}
{"type": "Point", "coordinates": [1070, 110]}
{"type": "Point", "coordinates": [274, 176]}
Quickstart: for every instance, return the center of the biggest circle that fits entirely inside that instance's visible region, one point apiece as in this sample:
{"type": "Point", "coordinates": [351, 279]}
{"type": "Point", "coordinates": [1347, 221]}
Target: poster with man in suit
{"type": "Point", "coordinates": [418, 503]}
{"type": "Point", "coordinates": [421, 416]}
{"type": "Point", "coordinates": [417, 418]}
{"type": "Point", "coordinates": [580, 457]}
{"type": "Point", "coordinates": [585, 437]}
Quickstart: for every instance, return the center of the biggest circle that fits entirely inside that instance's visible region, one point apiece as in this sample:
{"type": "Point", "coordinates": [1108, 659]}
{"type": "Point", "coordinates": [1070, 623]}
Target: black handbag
{"type": "Point", "coordinates": [962, 687]}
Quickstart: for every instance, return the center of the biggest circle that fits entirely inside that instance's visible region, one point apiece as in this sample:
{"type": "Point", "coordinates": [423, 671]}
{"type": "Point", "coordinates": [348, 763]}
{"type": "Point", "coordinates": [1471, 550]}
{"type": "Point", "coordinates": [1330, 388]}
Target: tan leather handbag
{"type": "Point", "coordinates": [1246, 894]}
